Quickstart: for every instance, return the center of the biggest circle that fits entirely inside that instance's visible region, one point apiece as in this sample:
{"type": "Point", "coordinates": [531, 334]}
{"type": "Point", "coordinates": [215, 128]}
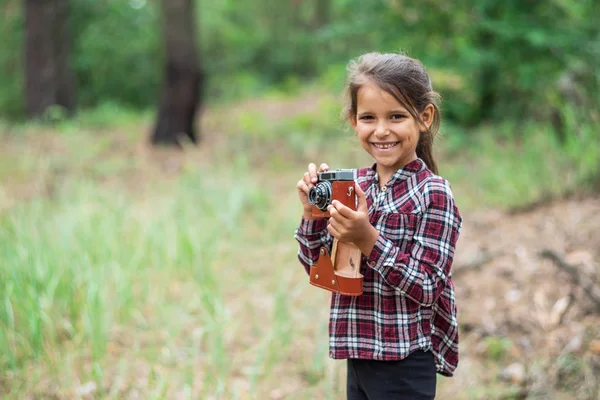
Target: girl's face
{"type": "Point", "coordinates": [386, 130]}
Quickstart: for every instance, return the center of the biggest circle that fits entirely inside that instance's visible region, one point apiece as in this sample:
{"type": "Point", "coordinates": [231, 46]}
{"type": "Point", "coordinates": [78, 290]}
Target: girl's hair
{"type": "Point", "coordinates": [404, 78]}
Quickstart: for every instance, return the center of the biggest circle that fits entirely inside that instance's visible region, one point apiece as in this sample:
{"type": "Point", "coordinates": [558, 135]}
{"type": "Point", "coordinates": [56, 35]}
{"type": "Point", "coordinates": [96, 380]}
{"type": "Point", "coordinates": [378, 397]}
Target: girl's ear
{"type": "Point", "coordinates": [427, 116]}
{"type": "Point", "coordinates": [352, 118]}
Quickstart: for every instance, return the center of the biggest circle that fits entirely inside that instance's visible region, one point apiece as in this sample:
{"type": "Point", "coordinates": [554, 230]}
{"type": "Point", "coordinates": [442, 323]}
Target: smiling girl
{"type": "Point", "coordinates": [403, 329]}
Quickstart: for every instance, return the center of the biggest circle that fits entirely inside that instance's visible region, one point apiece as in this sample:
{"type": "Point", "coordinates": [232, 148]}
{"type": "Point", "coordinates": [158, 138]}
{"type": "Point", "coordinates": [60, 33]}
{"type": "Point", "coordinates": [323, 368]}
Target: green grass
{"type": "Point", "coordinates": [183, 278]}
{"type": "Point", "coordinates": [514, 165]}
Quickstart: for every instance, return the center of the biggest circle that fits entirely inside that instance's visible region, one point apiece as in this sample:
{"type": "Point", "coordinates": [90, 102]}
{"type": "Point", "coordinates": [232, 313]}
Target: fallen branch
{"type": "Point", "coordinates": [578, 277]}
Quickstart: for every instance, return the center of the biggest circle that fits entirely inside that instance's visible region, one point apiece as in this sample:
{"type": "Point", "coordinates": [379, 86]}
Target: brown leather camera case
{"type": "Point", "coordinates": [339, 273]}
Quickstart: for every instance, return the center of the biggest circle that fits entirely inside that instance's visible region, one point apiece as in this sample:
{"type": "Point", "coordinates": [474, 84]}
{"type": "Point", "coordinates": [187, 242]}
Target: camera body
{"type": "Point", "coordinates": [332, 185]}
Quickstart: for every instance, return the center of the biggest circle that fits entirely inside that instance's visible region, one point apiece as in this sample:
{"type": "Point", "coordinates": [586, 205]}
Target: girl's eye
{"type": "Point", "coordinates": [397, 116]}
{"type": "Point", "coordinates": [366, 117]}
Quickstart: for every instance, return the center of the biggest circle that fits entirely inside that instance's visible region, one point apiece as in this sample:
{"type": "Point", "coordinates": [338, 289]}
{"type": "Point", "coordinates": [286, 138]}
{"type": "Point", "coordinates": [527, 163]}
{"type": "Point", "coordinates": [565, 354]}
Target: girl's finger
{"type": "Point", "coordinates": [334, 232]}
{"type": "Point", "coordinates": [301, 185]}
{"type": "Point", "coordinates": [307, 179]}
{"type": "Point", "coordinates": [362, 199]}
{"type": "Point", "coordinates": [336, 217]}
{"type": "Point", "coordinates": [339, 226]}
{"type": "Point", "coordinates": [342, 210]}
{"type": "Point", "coordinates": [312, 170]}
{"type": "Point", "coordinates": [324, 167]}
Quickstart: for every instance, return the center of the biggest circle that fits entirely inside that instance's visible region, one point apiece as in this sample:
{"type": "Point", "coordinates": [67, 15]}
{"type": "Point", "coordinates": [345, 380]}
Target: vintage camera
{"type": "Point", "coordinates": [332, 185]}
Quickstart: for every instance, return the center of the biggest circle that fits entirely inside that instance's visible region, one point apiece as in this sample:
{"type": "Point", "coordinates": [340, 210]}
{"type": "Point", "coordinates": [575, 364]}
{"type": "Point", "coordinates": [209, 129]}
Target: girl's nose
{"type": "Point", "coordinates": [381, 129]}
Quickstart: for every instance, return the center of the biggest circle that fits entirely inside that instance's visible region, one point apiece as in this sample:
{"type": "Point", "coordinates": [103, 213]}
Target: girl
{"type": "Point", "coordinates": [403, 329]}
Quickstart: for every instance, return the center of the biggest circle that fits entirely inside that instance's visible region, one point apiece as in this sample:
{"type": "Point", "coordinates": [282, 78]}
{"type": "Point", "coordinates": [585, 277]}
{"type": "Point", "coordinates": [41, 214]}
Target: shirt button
{"type": "Point", "coordinates": [372, 263]}
{"type": "Point", "coordinates": [384, 188]}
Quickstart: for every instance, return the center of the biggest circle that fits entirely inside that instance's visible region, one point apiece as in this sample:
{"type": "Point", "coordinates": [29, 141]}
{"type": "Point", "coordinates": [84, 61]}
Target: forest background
{"type": "Point", "coordinates": [136, 271]}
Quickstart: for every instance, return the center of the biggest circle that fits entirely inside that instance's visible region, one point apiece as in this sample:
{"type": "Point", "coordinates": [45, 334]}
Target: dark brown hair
{"type": "Point", "coordinates": [404, 78]}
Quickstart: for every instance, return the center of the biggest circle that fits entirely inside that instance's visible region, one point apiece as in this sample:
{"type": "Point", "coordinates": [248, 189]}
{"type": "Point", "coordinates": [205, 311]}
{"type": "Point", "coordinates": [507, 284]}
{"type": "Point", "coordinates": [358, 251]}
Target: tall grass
{"type": "Point", "coordinates": [514, 165]}
{"type": "Point", "coordinates": [78, 266]}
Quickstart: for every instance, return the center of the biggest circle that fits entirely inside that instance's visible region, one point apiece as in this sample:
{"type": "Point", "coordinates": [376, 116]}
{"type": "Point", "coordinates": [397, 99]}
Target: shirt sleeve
{"type": "Point", "coordinates": [311, 236]}
{"type": "Point", "coordinates": [422, 273]}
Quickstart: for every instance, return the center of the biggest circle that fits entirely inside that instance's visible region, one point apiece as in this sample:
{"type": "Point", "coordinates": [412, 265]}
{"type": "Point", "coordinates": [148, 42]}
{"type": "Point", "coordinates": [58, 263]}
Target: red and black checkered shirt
{"type": "Point", "coordinates": [408, 296]}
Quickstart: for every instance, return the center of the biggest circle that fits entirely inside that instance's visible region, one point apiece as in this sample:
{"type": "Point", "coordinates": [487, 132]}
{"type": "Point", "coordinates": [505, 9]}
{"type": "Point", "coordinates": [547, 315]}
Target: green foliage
{"type": "Point", "coordinates": [511, 165]}
{"type": "Point", "coordinates": [490, 60]}
{"type": "Point", "coordinates": [117, 52]}
{"type": "Point", "coordinates": [106, 115]}
{"type": "Point", "coordinates": [497, 347]}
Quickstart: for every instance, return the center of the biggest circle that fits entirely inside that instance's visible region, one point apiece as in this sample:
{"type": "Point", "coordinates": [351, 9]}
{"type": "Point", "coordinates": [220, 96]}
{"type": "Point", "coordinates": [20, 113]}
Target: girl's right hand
{"type": "Point", "coordinates": [308, 180]}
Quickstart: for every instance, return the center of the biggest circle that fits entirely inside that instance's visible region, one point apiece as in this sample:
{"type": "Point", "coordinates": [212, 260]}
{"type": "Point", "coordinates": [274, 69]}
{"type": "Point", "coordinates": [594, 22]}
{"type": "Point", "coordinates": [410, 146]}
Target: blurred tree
{"type": "Point", "coordinates": [484, 39]}
{"type": "Point", "coordinates": [183, 77]}
{"type": "Point", "coordinates": [48, 74]}
{"type": "Point", "coordinates": [322, 14]}
{"type": "Point", "coordinates": [128, 75]}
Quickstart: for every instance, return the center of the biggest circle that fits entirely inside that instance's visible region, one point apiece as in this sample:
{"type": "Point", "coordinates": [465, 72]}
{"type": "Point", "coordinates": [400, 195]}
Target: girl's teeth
{"type": "Point", "coordinates": [385, 146]}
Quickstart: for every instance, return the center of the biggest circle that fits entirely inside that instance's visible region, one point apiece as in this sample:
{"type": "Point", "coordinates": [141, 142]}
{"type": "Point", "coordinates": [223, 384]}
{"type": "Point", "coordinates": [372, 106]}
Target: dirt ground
{"type": "Point", "coordinates": [528, 282]}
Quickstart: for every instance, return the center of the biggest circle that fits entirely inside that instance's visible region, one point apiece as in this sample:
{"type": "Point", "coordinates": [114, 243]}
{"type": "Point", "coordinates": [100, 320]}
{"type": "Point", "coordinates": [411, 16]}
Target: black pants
{"type": "Point", "coordinates": [412, 378]}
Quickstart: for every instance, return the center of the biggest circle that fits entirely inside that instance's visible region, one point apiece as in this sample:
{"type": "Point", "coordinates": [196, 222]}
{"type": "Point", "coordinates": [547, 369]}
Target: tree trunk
{"type": "Point", "coordinates": [65, 76]}
{"type": "Point", "coordinates": [322, 15]}
{"type": "Point", "coordinates": [49, 78]}
{"type": "Point", "coordinates": [488, 74]}
{"type": "Point", "coordinates": [183, 76]}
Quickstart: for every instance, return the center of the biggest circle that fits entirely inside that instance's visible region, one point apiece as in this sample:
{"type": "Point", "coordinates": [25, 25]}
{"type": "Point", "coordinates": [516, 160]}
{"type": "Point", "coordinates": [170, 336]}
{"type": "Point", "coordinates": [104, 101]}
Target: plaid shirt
{"type": "Point", "coordinates": [408, 296]}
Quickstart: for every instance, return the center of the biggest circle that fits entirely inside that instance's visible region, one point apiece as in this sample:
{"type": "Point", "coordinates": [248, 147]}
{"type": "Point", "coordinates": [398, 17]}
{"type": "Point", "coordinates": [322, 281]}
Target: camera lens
{"type": "Point", "coordinates": [320, 195]}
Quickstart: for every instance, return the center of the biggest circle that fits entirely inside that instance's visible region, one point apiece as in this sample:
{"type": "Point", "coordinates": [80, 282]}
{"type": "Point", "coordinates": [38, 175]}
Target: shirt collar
{"type": "Point", "coordinates": [401, 174]}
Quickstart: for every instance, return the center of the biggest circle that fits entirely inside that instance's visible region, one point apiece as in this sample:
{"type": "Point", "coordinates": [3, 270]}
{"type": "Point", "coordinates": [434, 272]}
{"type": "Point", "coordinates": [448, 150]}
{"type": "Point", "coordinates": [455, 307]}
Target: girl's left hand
{"type": "Point", "coordinates": [352, 226]}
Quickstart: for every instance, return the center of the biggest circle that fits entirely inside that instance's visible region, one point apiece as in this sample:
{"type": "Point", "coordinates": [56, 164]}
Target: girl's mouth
{"type": "Point", "coordinates": [384, 146]}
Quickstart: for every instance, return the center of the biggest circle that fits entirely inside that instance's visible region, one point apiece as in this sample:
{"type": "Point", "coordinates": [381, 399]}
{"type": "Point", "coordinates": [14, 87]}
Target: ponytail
{"type": "Point", "coordinates": [425, 145]}
{"type": "Point", "coordinates": [425, 151]}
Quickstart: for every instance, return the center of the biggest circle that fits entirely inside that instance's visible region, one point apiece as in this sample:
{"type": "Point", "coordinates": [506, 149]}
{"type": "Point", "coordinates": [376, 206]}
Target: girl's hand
{"type": "Point", "coordinates": [308, 180]}
{"type": "Point", "coordinates": [352, 226]}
